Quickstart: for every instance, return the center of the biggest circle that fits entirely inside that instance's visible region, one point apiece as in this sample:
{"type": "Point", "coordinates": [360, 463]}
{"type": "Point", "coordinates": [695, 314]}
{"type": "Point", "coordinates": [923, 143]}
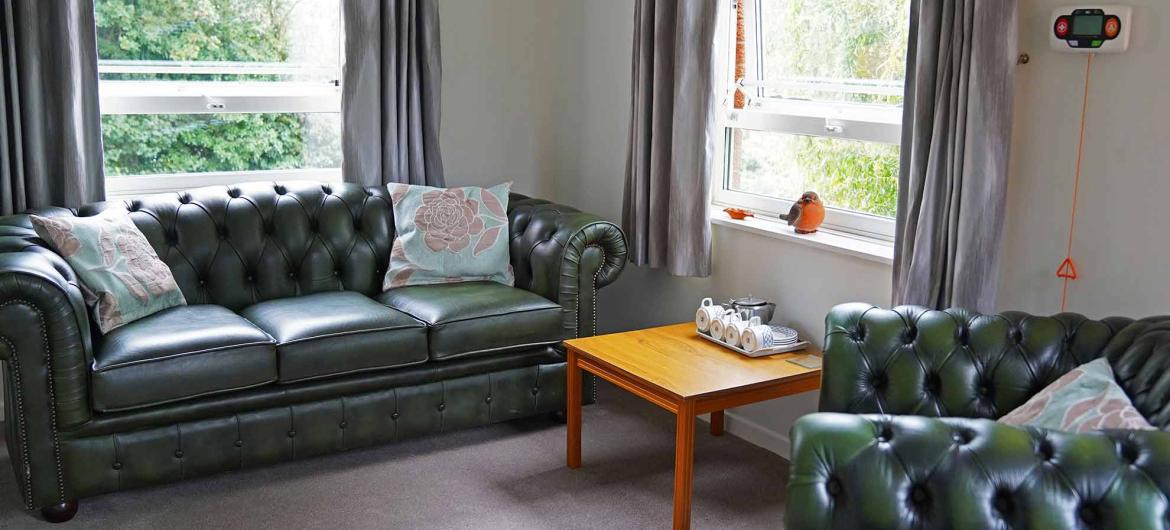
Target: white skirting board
{"type": "Point", "coordinates": [754, 433]}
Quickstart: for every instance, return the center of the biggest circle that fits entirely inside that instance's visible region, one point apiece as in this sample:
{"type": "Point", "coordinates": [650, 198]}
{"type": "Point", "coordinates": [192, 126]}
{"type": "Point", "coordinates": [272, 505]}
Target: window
{"type": "Point", "coordinates": [201, 92]}
{"type": "Point", "coordinates": [813, 102]}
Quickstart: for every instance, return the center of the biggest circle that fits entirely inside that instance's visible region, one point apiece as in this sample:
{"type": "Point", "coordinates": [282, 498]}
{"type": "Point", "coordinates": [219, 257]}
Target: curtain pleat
{"type": "Point", "coordinates": [671, 136]}
{"type": "Point", "coordinates": [391, 92]}
{"type": "Point", "coordinates": [956, 137]}
{"type": "Point", "coordinates": [50, 125]}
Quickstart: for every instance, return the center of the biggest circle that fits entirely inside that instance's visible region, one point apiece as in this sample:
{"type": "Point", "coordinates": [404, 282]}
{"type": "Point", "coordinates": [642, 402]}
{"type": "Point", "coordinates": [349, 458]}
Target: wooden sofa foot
{"type": "Point", "coordinates": [59, 513]}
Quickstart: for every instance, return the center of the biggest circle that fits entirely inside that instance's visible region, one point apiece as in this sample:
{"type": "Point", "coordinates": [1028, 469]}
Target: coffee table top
{"type": "Point", "coordinates": [675, 359]}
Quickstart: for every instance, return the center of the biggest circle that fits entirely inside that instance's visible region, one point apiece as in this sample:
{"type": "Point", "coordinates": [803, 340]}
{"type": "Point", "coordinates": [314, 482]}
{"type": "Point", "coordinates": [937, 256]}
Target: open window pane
{"type": "Point", "coordinates": [849, 175]}
{"type": "Point", "coordinates": [205, 90]}
{"type": "Point", "coordinates": [198, 143]}
{"type": "Point", "coordinates": [834, 50]}
{"type": "Point", "coordinates": [219, 40]}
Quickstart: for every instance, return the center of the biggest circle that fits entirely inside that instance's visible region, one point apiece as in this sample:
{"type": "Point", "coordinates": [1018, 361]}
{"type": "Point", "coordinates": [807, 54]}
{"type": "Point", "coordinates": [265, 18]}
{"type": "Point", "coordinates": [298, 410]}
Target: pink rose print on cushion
{"type": "Point", "coordinates": [1029, 411]}
{"type": "Point", "coordinates": [448, 220]}
{"type": "Point", "coordinates": [60, 234]}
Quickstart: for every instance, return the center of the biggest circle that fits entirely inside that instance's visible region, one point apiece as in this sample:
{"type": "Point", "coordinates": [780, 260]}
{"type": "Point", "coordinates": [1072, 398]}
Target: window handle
{"type": "Point", "coordinates": [834, 129]}
{"type": "Point", "coordinates": [214, 103]}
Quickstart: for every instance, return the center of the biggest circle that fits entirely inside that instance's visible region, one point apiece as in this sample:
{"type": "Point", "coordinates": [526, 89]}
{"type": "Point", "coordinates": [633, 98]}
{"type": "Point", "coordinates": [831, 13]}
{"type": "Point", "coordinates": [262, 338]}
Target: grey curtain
{"type": "Point", "coordinates": [671, 142]}
{"type": "Point", "coordinates": [390, 92]}
{"type": "Point", "coordinates": [955, 142]}
{"type": "Point", "coordinates": [50, 128]}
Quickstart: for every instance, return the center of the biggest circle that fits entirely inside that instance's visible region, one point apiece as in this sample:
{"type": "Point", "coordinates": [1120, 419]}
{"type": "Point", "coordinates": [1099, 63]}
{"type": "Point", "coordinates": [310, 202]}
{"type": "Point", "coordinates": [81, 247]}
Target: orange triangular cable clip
{"type": "Point", "coordinates": [1067, 270]}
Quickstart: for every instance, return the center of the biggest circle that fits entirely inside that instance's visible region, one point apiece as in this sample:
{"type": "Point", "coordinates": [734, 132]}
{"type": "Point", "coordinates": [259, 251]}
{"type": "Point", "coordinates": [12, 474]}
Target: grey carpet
{"type": "Point", "coordinates": [511, 476]}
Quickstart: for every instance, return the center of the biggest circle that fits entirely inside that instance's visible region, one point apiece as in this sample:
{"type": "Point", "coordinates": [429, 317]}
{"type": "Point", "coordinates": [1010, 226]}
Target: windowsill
{"type": "Point", "coordinates": [130, 186]}
{"type": "Point", "coordinates": [860, 247]}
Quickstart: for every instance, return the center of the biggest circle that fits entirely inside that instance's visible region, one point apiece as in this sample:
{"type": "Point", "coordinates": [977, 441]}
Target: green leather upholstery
{"type": "Point", "coordinates": [478, 318]}
{"type": "Point", "coordinates": [330, 334]}
{"type": "Point", "coordinates": [917, 449]}
{"type": "Point", "coordinates": [256, 437]}
{"type": "Point", "coordinates": [565, 256]}
{"type": "Point", "coordinates": [278, 395]}
{"type": "Point", "coordinates": [879, 472]}
{"type": "Point", "coordinates": [46, 349]}
{"type": "Point", "coordinates": [89, 414]}
{"type": "Point", "coordinates": [180, 353]}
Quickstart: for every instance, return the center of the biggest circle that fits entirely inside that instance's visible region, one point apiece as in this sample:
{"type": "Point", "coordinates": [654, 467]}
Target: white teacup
{"type": "Point", "coordinates": [757, 337]}
{"type": "Point", "coordinates": [719, 324]}
{"type": "Point", "coordinates": [708, 312]}
{"type": "Point", "coordinates": [735, 327]}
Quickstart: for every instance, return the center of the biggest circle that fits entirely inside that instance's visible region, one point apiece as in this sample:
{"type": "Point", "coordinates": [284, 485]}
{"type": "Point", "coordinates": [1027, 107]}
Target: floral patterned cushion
{"type": "Point", "coordinates": [1086, 399]}
{"type": "Point", "coordinates": [447, 235]}
{"type": "Point", "coordinates": [121, 275]}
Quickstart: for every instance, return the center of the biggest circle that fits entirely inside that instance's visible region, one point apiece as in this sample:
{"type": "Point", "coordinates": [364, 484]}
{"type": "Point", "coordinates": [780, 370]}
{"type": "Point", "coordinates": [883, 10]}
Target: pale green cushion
{"type": "Point", "coordinates": [1086, 399]}
{"type": "Point", "coordinates": [447, 235]}
{"type": "Point", "coordinates": [121, 275]}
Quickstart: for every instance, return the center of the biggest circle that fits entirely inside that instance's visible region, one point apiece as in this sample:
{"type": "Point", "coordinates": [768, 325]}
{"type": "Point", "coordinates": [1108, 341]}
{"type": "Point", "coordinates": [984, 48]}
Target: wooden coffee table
{"type": "Point", "coordinates": [673, 368]}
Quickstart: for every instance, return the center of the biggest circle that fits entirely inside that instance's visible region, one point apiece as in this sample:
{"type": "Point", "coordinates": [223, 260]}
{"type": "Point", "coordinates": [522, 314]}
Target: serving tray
{"type": "Point", "coordinates": [763, 352]}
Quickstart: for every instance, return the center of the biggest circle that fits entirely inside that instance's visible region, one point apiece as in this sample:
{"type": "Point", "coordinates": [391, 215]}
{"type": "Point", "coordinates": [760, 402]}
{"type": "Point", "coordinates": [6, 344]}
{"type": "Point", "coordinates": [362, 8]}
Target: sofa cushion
{"type": "Point", "coordinates": [449, 235]}
{"type": "Point", "coordinates": [121, 274]}
{"type": "Point", "coordinates": [330, 334]}
{"type": "Point", "coordinates": [180, 353]}
{"type": "Point", "coordinates": [1084, 400]}
{"type": "Point", "coordinates": [478, 318]}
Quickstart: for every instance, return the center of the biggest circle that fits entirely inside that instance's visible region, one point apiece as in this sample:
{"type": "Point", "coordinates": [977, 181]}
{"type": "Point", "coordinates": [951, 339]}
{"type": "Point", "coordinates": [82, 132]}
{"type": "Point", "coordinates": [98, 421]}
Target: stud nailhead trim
{"type": "Point", "coordinates": [21, 424]}
{"type": "Point", "coordinates": [52, 401]}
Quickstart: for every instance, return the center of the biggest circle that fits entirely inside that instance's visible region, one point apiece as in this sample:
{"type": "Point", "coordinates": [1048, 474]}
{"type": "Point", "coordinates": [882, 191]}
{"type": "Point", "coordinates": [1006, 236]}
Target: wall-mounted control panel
{"type": "Point", "coordinates": [1091, 29]}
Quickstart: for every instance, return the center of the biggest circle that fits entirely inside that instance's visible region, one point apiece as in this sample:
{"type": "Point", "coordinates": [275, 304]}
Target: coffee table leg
{"type": "Point", "coordinates": [717, 423]}
{"type": "Point", "coordinates": [573, 411]}
{"type": "Point", "coordinates": [684, 457]}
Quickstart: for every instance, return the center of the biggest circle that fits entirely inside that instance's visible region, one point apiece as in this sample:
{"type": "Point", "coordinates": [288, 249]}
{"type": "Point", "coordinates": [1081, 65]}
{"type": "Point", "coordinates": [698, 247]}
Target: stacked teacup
{"type": "Point", "coordinates": [759, 336]}
{"type": "Point", "coordinates": [739, 331]}
{"type": "Point", "coordinates": [708, 313]}
{"type": "Point", "coordinates": [735, 327]}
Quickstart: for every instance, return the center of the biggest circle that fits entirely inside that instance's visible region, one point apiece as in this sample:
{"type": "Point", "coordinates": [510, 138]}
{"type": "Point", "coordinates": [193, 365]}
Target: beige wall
{"type": "Point", "coordinates": [1121, 240]}
{"type": "Point", "coordinates": [538, 91]}
{"type": "Point", "coordinates": [503, 76]}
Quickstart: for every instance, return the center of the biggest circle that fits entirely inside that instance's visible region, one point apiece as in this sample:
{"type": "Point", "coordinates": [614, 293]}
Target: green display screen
{"type": "Point", "coordinates": [1088, 25]}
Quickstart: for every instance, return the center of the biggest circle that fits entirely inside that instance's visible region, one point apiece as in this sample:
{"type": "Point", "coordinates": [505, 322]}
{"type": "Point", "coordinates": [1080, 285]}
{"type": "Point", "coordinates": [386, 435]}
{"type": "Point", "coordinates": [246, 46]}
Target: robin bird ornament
{"type": "Point", "coordinates": [806, 214]}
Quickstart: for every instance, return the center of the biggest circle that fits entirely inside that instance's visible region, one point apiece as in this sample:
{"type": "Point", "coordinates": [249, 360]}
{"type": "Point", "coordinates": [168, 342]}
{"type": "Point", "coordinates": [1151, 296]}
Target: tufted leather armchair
{"type": "Point", "coordinates": [906, 438]}
{"type": "Point", "coordinates": [288, 347]}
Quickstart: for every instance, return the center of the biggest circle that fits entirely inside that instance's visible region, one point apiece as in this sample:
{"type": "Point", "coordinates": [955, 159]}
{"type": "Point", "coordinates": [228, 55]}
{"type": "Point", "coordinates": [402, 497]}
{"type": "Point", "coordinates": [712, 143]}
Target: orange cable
{"type": "Point", "coordinates": [1072, 224]}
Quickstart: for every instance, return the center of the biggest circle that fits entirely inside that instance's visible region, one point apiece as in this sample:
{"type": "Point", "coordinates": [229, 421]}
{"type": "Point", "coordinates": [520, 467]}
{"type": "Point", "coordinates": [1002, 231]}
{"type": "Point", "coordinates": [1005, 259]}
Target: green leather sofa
{"type": "Point", "coordinates": [289, 348]}
{"type": "Point", "coordinates": [906, 438]}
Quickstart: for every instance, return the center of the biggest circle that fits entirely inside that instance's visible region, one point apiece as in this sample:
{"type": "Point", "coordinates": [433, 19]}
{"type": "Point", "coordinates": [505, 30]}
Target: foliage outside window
{"type": "Point", "coordinates": [817, 106]}
{"type": "Point", "coordinates": [201, 86]}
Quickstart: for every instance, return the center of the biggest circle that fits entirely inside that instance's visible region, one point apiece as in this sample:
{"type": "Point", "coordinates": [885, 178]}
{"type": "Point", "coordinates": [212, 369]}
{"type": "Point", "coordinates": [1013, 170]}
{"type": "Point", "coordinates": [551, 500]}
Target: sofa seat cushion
{"type": "Point", "coordinates": [180, 353]}
{"type": "Point", "coordinates": [478, 318]}
{"type": "Point", "coordinates": [335, 333]}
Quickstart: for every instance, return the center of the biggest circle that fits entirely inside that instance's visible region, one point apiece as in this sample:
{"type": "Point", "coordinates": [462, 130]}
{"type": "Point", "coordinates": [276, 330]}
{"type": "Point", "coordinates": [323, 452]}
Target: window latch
{"type": "Point", "coordinates": [214, 104]}
{"type": "Point", "coordinates": [833, 128]}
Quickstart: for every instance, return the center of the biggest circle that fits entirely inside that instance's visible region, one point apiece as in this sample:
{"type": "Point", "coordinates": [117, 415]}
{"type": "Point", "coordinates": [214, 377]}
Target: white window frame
{"type": "Point", "coordinates": [130, 97]}
{"type": "Point", "coordinates": [848, 121]}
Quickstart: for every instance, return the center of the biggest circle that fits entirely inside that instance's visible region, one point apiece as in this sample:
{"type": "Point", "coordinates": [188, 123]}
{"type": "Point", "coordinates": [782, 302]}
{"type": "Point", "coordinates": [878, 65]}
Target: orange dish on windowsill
{"type": "Point", "coordinates": [738, 214]}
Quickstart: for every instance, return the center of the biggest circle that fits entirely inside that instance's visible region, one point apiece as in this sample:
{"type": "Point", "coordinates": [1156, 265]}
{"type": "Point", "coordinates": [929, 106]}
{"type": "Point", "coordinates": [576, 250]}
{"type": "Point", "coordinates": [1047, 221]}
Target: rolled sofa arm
{"type": "Point", "coordinates": [46, 351]}
{"type": "Point", "coordinates": [887, 472]}
{"type": "Point", "coordinates": [565, 255]}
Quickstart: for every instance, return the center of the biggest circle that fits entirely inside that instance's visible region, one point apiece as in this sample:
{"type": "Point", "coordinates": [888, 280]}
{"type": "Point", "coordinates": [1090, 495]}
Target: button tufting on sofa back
{"type": "Point", "coordinates": [238, 245]}
{"type": "Point", "coordinates": [1140, 356]}
{"type": "Point", "coordinates": [910, 360]}
{"type": "Point", "coordinates": [538, 228]}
